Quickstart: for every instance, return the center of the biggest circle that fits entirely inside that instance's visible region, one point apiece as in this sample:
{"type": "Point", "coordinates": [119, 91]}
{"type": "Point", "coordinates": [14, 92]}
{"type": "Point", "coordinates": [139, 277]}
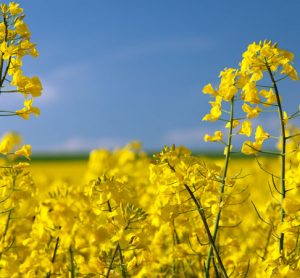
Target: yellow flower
{"type": "Point", "coordinates": [9, 142]}
{"type": "Point", "coordinates": [18, 79]}
{"type": "Point", "coordinates": [33, 87]}
{"type": "Point", "coordinates": [227, 87]}
{"type": "Point", "coordinates": [235, 123]}
{"type": "Point", "coordinates": [258, 75]}
{"type": "Point", "coordinates": [261, 135]}
{"type": "Point", "coordinates": [290, 71]}
{"type": "Point", "coordinates": [216, 137]}
{"type": "Point", "coordinates": [14, 66]}
{"type": "Point", "coordinates": [252, 112]}
{"type": "Point", "coordinates": [27, 110]}
{"type": "Point", "coordinates": [215, 111]}
{"type": "Point", "coordinates": [22, 29]}
{"type": "Point", "coordinates": [259, 57]}
{"type": "Point", "coordinates": [8, 51]}
{"type": "Point", "coordinates": [250, 93]}
{"type": "Point", "coordinates": [246, 128]}
{"type": "Point", "coordinates": [131, 264]}
{"type": "Point", "coordinates": [14, 9]}
{"type": "Point", "coordinates": [27, 85]}
{"type": "Point", "coordinates": [250, 147]}
{"type": "Point", "coordinates": [269, 95]}
{"type": "Point", "coordinates": [208, 89]}
{"type": "Point", "coordinates": [24, 151]}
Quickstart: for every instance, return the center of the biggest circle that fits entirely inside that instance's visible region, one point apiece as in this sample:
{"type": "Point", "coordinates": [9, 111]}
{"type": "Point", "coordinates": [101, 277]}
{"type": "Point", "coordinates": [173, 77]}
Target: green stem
{"type": "Point", "coordinates": [6, 71]}
{"type": "Point", "coordinates": [72, 266]}
{"type": "Point", "coordinates": [211, 240]}
{"type": "Point", "coordinates": [7, 223]}
{"type": "Point", "coordinates": [118, 248]}
{"type": "Point", "coordinates": [291, 136]}
{"type": "Point", "coordinates": [2, 61]}
{"type": "Point", "coordinates": [283, 155]}
{"type": "Point", "coordinates": [112, 261]}
{"type": "Point", "coordinates": [6, 227]}
{"type": "Point", "coordinates": [176, 241]}
{"type": "Point", "coordinates": [122, 264]}
{"type": "Point", "coordinates": [9, 213]}
{"type": "Point", "coordinates": [53, 256]}
{"type": "Point", "coordinates": [222, 188]}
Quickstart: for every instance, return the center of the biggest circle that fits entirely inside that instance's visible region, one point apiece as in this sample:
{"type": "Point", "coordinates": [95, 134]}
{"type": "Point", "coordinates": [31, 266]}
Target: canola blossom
{"type": "Point", "coordinates": [172, 214]}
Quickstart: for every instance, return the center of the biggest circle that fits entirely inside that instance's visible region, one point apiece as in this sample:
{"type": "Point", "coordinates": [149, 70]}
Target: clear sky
{"type": "Point", "coordinates": [115, 71]}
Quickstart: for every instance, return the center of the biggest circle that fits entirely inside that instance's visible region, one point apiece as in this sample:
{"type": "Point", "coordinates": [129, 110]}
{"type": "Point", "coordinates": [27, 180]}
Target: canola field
{"type": "Point", "coordinates": [120, 215]}
{"type": "Point", "coordinates": [124, 213]}
{"type": "Point", "coordinates": [70, 170]}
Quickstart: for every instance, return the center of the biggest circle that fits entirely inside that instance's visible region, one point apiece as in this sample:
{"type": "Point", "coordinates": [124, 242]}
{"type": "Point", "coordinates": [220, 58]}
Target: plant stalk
{"type": "Point", "coordinates": [72, 266]}
{"type": "Point", "coordinates": [222, 188]}
{"type": "Point", "coordinates": [118, 248]}
{"type": "Point", "coordinates": [210, 237]}
{"type": "Point", "coordinates": [283, 154]}
{"type": "Point", "coordinates": [122, 264]}
{"type": "Point", "coordinates": [53, 256]}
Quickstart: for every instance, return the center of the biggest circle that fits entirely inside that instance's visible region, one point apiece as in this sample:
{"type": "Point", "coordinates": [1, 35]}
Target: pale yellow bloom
{"type": "Point", "coordinates": [24, 151]}
{"type": "Point", "coordinates": [246, 128]}
{"type": "Point", "coordinates": [218, 135]}
{"type": "Point", "coordinates": [252, 112]}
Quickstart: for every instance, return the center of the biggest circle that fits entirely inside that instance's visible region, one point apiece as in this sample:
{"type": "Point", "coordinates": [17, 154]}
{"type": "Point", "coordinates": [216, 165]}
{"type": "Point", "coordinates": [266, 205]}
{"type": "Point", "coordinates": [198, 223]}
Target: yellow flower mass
{"type": "Point", "coordinates": [124, 213]}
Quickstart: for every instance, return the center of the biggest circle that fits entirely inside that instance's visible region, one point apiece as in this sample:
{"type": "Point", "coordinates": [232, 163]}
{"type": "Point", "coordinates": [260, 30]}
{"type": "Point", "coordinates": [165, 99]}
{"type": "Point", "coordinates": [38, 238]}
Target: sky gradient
{"type": "Point", "coordinates": [116, 71]}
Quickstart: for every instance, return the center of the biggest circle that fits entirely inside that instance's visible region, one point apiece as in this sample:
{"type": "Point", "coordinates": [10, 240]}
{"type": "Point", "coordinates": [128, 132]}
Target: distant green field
{"type": "Point", "coordinates": [59, 157]}
{"type": "Point", "coordinates": [47, 157]}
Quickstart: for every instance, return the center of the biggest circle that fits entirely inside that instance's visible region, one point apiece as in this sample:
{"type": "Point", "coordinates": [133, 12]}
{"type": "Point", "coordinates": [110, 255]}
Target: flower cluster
{"type": "Point", "coordinates": [242, 85]}
{"type": "Point", "coordinates": [170, 215]}
{"type": "Point", "coordinates": [15, 44]}
{"type": "Point", "coordinates": [133, 215]}
{"type": "Point", "coordinates": [255, 86]}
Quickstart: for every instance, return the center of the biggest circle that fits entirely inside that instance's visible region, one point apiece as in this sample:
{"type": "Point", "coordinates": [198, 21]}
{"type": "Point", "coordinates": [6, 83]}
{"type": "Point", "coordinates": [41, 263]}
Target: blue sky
{"type": "Point", "coordinates": [116, 71]}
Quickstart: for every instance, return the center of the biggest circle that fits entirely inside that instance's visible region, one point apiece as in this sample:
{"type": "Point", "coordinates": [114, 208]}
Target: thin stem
{"type": "Point", "coordinates": [6, 70]}
{"type": "Point", "coordinates": [291, 136]}
{"type": "Point", "coordinates": [7, 223]}
{"type": "Point", "coordinates": [1, 69]}
{"type": "Point", "coordinates": [2, 61]}
{"type": "Point", "coordinates": [9, 218]}
{"type": "Point", "coordinates": [247, 270]}
{"type": "Point", "coordinates": [265, 152]}
{"type": "Point", "coordinates": [8, 115]}
{"type": "Point", "coordinates": [55, 250]}
{"type": "Point", "coordinates": [258, 214]}
{"type": "Point", "coordinates": [264, 86]}
{"type": "Point", "coordinates": [286, 76]}
{"type": "Point", "coordinates": [211, 240]}
{"type": "Point", "coordinates": [267, 243]}
{"type": "Point", "coordinates": [118, 248]}
{"type": "Point", "coordinates": [10, 91]}
{"type": "Point", "coordinates": [222, 188]}
{"type": "Point", "coordinates": [294, 114]}
{"type": "Point", "coordinates": [283, 155]}
{"type": "Point", "coordinates": [122, 264]}
{"type": "Point", "coordinates": [112, 261]}
{"type": "Point", "coordinates": [53, 256]}
{"type": "Point", "coordinates": [72, 266]}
